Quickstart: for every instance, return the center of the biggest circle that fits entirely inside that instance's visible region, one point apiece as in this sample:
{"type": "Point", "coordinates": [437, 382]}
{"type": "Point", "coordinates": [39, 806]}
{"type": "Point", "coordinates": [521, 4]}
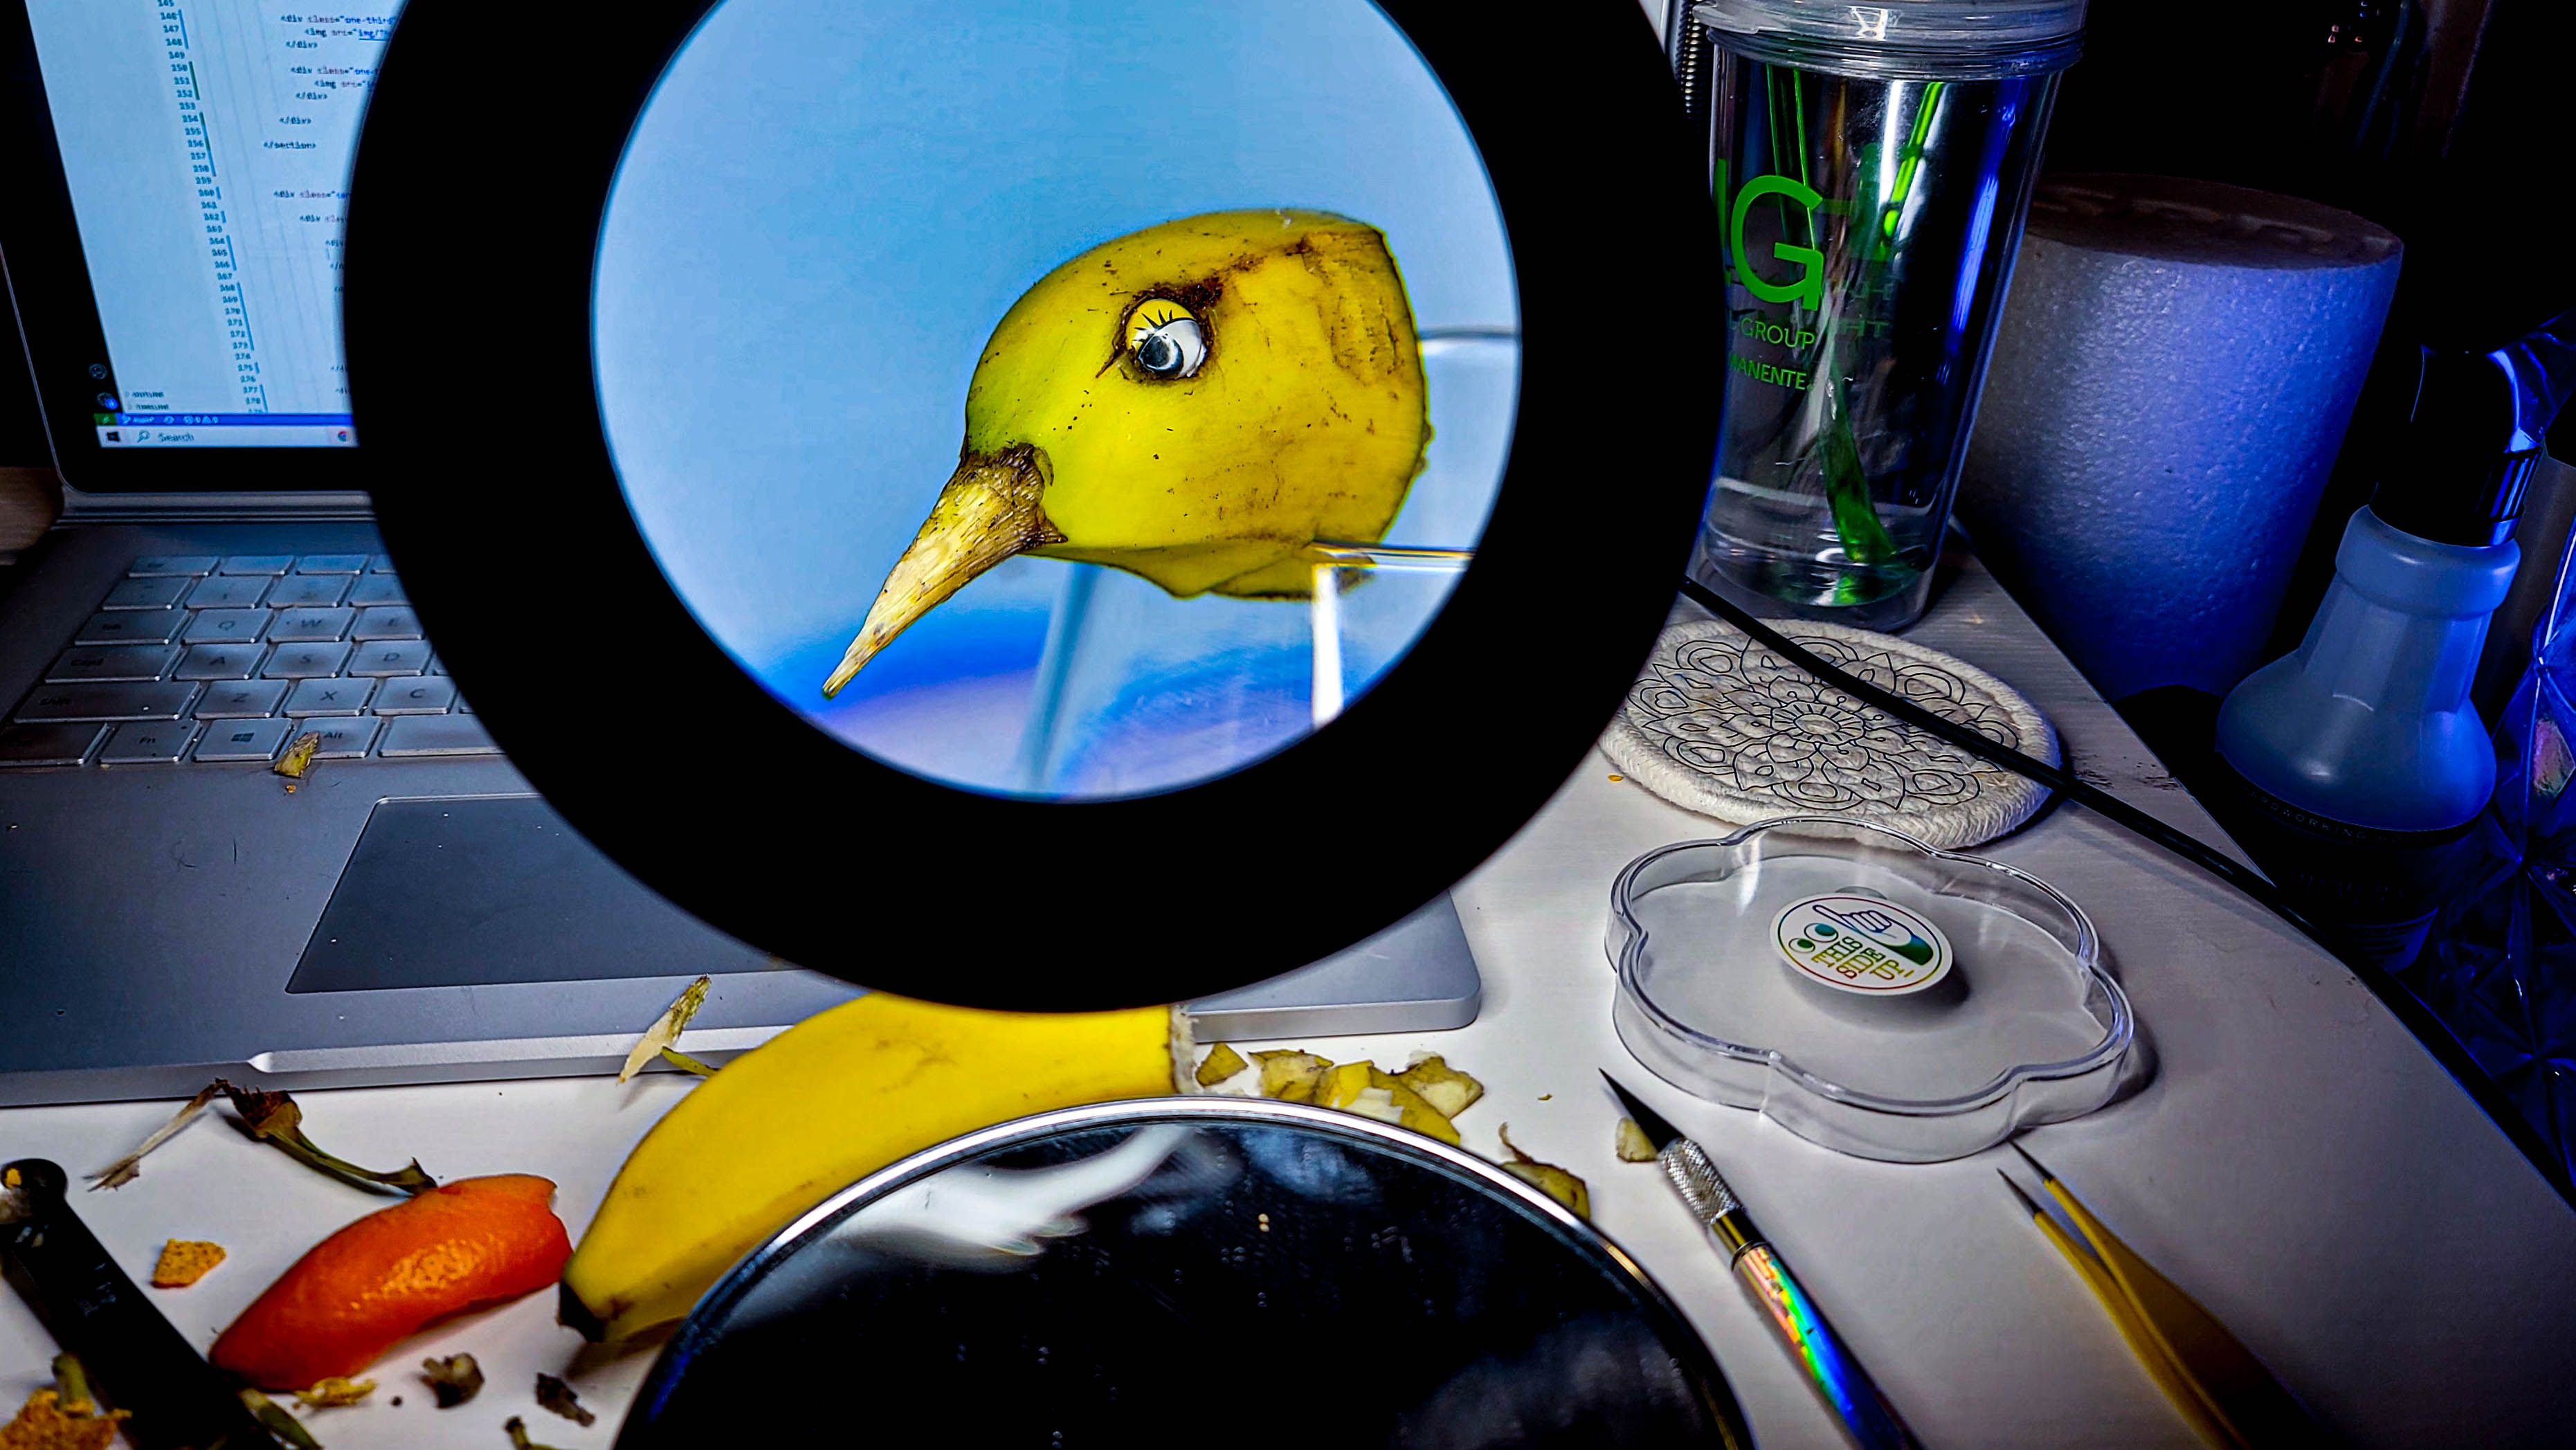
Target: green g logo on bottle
{"type": "Point", "coordinates": [1809, 288]}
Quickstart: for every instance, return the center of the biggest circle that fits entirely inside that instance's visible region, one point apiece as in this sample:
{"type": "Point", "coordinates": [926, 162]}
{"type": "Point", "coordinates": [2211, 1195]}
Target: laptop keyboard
{"type": "Point", "coordinates": [200, 658]}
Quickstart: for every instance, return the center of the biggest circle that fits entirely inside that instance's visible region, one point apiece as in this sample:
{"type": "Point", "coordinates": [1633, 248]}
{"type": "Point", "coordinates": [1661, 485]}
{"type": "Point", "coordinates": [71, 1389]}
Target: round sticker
{"type": "Point", "coordinates": [1862, 944]}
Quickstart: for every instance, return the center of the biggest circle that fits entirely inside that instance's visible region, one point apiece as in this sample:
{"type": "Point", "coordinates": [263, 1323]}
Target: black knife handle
{"type": "Point", "coordinates": [136, 1360]}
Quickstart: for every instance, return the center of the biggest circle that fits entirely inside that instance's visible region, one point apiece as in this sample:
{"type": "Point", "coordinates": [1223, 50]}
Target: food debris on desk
{"type": "Point", "coordinates": [517, 1430]}
{"type": "Point", "coordinates": [272, 1118]}
{"type": "Point", "coordinates": [63, 1416]}
{"type": "Point", "coordinates": [454, 1380]}
{"type": "Point", "coordinates": [1291, 1076]}
{"type": "Point", "coordinates": [1221, 1064]}
{"type": "Point", "coordinates": [334, 1392]}
{"type": "Point", "coordinates": [298, 757]}
{"type": "Point", "coordinates": [45, 1422]}
{"type": "Point", "coordinates": [1425, 1097]}
{"type": "Point", "coordinates": [1633, 1145]}
{"type": "Point", "coordinates": [1449, 1091]}
{"type": "Point", "coordinates": [289, 1430]}
{"type": "Point", "coordinates": [1547, 1178]}
{"type": "Point", "coordinates": [1362, 1088]}
{"type": "Point", "coordinates": [657, 1039]}
{"type": "Point", "coordinates": [553, 1394]}
{"type": "Point", "coordinates": [366, 1287]}
{"type": "Point", "coordinates": [184, 1262]}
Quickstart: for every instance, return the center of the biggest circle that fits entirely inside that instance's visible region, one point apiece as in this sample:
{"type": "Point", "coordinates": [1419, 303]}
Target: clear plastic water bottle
{"type": "Point", "coordinates": [1871, 166]}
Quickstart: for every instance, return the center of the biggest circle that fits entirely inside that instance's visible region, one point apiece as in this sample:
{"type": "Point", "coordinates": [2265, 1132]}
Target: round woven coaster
{"type": "Point", "coordinates": [1719, 725]}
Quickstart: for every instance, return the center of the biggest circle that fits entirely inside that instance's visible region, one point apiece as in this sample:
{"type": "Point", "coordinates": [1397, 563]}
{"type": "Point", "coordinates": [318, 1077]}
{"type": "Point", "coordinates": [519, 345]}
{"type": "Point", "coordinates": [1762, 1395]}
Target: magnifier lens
{"type": "Point", "coordinates": [1069, 402]}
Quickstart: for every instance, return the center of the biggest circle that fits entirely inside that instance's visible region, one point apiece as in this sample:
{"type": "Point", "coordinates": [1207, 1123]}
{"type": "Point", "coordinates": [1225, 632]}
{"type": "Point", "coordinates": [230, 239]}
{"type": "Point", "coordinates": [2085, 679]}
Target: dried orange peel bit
{"type": "Point", "coordinates": [362, 1290]}
{"type": "Point", "coordinates": [46, 1423]}
{"type": "Point", "coordinates": [184, 1262]}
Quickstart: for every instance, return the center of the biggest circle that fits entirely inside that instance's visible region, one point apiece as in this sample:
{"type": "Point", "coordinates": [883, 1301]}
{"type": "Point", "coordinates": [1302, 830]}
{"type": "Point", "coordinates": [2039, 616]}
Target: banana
{"type": "Point", "coordinates": [826, 1102]}
{"type": "Point", "coordinates": [1196, 403]}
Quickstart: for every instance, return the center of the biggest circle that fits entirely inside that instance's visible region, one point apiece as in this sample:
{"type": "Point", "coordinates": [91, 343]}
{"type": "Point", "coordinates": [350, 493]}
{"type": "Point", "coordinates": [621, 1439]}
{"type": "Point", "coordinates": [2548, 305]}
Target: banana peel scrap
{"type": "Point", "coordinates": [1447, 1091]}
{"type": "Point", "coordinates": [298, 757]}
{"type": "Point", "coordinates": [1547, 1178]}
{"type": "Point", "coordinates": [274, 1119]}
{"type": "Point", "coordinates": [453, 1380]}
{"type": "Point", "coordinates": [1632, 1145]}
{"type": "Point", "coordinates": [335, 1392]}
{"type": "Point", "coordinates": [1425, 1097]}
{"type": "Point", "coordinates": [1221, 1064]}
{"type": "Point", "coordinates": [517, 1430]}
{"type": "Point", "coordinates": [553, 1394]}
{"type": "Point", "coordinates": [1291, 1077]}
{"type": "Point", "coordinates": [657, 1039]}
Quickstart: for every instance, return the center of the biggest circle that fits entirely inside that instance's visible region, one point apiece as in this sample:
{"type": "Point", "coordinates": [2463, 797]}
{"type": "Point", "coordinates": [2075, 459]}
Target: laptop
{"type": "Point", "coordinates": [171, 908]}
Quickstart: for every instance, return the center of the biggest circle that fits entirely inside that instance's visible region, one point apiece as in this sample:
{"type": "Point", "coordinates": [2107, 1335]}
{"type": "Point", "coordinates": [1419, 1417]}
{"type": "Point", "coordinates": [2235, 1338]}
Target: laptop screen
{"type": "Point", "coordinates": [206, 147]}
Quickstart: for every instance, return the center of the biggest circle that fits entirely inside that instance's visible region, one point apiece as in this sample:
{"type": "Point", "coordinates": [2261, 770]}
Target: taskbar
{"type": "Point", "coordinates": [224, 430]}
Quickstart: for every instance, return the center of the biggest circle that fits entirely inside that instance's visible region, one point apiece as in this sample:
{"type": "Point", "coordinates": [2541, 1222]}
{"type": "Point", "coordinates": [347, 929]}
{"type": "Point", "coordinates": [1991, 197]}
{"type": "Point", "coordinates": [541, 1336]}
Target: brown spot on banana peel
{"type": "Point", "coordinates": [988, 512]}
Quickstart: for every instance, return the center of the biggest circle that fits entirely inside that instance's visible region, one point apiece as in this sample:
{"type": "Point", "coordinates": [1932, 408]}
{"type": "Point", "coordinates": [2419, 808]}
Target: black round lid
{"type": "Point", "coordinates": [1186, 1272]}
{"type": "Point", "coordinates": [548, 513]}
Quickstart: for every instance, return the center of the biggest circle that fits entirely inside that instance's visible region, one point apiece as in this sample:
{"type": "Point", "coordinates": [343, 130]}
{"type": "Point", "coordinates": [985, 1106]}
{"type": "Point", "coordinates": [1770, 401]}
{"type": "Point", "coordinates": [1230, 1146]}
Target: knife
{"type": "Point", "coordinates": [1831, 1371]}
{"type": "Point", "coordinates": [137, 1361]}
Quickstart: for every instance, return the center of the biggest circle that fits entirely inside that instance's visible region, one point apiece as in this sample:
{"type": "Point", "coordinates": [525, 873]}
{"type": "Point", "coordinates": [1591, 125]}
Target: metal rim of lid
{"type": "Point", "coordinates": [1578, 1234]}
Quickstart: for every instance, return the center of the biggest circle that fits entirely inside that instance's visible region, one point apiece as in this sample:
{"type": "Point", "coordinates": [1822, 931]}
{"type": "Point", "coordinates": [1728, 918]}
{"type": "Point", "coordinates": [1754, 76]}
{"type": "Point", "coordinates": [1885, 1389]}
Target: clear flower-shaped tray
{"type": "Point", "coordinates": [1866, 991]}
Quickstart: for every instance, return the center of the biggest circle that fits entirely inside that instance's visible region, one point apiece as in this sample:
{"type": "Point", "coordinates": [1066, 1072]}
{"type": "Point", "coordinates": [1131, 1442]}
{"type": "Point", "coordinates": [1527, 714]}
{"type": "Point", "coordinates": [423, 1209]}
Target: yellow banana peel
{"type": "Point", "coordinates": [827, 1102]}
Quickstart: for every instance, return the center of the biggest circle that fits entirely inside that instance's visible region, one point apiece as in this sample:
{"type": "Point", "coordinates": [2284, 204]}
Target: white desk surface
{"type": "Point", "coordinates": [2298, 1162]}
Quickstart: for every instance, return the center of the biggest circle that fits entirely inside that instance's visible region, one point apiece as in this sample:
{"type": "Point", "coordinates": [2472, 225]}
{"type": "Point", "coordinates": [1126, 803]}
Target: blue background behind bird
{"type": "Point", "coordinates": [826, 207]}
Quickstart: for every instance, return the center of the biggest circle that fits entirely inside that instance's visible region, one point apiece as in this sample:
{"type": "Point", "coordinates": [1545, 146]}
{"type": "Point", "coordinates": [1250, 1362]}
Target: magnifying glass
{"type": "Point", "coordinates": [1057, 507]}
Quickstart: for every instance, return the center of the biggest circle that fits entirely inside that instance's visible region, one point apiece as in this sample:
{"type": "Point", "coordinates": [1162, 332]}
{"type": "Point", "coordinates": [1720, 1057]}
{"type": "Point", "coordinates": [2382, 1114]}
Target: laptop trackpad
{"type": "Point", "coordinates": [485, 892]}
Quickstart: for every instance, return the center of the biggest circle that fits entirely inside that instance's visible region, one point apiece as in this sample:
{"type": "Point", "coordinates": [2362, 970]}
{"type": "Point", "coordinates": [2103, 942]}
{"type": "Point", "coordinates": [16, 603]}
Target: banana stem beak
{"type": "Point", "coordinates": [988, 512]}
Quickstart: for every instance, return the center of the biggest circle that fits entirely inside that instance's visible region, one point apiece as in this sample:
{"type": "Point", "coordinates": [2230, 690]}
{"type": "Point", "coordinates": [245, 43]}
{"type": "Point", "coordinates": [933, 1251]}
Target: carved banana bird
{"type": "Point", "coordinates": [1196, 403]}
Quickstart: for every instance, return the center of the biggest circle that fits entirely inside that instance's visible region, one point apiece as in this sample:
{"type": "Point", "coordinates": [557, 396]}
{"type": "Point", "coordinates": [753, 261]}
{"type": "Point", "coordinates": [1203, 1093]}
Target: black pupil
{"type": "Point", "coordinates": [1158, 353]}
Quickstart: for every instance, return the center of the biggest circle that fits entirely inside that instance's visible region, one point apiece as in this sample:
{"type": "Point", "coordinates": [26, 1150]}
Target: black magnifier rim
{"type": "Point", "coordinates": [476, 206]}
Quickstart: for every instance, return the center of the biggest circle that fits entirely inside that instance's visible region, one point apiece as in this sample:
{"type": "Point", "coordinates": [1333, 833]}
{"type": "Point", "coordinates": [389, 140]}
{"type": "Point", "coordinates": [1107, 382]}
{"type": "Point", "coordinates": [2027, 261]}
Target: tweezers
{"type": "Point", "coordinates": [2214, 1382]}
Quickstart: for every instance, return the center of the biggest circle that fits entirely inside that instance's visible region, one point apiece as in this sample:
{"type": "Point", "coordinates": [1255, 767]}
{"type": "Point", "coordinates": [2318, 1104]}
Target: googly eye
{"type": "Point", "coordinates": [1166, 341]}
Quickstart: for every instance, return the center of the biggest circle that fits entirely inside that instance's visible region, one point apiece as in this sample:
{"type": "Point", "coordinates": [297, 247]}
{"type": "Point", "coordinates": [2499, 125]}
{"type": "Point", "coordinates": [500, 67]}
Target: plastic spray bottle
{"type": "Point", "coordinates": [2361, 765]}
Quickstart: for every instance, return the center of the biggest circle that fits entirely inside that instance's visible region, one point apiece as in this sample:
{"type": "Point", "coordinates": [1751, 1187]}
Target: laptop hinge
{"type": "Point", "coordinates": [135, 508]}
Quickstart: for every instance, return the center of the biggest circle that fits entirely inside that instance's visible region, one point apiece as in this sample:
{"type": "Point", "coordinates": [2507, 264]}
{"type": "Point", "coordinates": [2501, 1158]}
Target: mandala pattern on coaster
{"type": "Point", "coordinates": [1719, 725]}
